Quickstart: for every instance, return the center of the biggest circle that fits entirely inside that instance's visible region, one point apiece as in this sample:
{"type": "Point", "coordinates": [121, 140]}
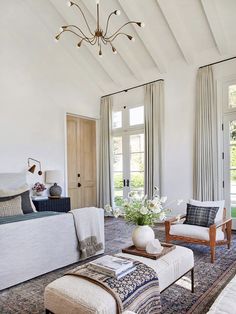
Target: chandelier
{"type": "Point", "coordinates": [99, 36]}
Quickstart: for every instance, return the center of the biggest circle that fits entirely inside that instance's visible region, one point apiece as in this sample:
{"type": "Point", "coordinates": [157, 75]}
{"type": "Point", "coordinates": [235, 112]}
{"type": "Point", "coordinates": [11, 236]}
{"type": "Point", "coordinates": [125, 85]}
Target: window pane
{"type": "Point", "coordinates": [137, 162]}
{"type": "Point", "coordinates": [118, 180]}
{"type": "Point", "coordinates": [117, 145]}
{"type": "Point", "coordinates": [233, 181]}
{"type": "Point", "coordinates": [232, 127]}
{"type": "Point", "coordinates": [136, 116]}
{"type": "Point", "coordinates": [137, 181]}
{"type": "Point", "coordinates": [233, 156]}
{"type": "Point", "coordinates": [137, 143]}
{"type": "Point", "coordinates": [116, 119]}
{"type": "Point", "coordinates": [232, 96]}
{"type": "Point", "coordinates": [118, 197]}
{"type": "Point", "coordinates": [118, 163]}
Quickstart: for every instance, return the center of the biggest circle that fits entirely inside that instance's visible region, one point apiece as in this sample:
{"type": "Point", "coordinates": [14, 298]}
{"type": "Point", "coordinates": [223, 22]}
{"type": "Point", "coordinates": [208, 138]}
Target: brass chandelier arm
{"type": "Point", "coordinates": [104, 40]}
{"type": "Point", "coordinates": [79, 29]}
{"type": "Point", "coordinates": [124, 34]}
{"type": "Point", "coordinates": [131, 22]}
{"type": "Point", "coordinates": [70, 31]}
{"type": "Point", "coordinates": [108, 20]}
{"type": "Point", "coordinates": [93, 41]}
{"type": "Point", "coordinates": [73, 3]}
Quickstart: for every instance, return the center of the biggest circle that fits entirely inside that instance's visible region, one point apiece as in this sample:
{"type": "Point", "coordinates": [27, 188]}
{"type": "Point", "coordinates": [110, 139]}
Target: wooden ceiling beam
{"type": "Point", "coordinates": [212, 16]}
{"type": "Point", "coordinates": [133, 12]}
{"type": "Point", "coordinates": [178, 29]}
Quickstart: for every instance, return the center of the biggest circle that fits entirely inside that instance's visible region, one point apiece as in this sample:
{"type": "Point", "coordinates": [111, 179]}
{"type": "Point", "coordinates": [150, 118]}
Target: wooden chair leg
{"type": "Point", "coordinates": [167, 231]}
{"type": "Point", "coordinates": [213, 254]}
{"type": "Point", "coordinates": [212, 235]}
{"type": "Point", "coordinates": [229, 232]}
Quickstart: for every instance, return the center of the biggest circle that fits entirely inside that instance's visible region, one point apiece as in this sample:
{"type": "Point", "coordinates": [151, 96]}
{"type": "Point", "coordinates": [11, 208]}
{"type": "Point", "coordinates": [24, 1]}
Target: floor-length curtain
{"type": "Point", "coordinates": [205, 179]}
{"type": "Point", "coordinates": [105, 173]}
{"type": "Point", "coordinates": [154, 119]}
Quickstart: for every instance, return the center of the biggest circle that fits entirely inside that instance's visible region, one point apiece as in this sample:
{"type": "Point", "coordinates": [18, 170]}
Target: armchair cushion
{"type": "Point", "coordinates": [195, 232]}
{"type": "Point", "coordinates": [220, 204]}
{"type": "Point", "coordinates": [200, 216]}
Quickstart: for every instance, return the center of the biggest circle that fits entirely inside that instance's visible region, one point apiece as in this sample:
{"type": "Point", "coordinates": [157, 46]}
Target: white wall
{"type": "Point", "coordinates": [39, 84]}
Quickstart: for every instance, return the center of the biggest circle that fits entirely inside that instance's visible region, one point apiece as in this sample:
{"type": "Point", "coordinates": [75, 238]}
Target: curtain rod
{"type": "Point", "coordinates": [127, 89]}
{"type": "Point", "coordinates": [217, 62]}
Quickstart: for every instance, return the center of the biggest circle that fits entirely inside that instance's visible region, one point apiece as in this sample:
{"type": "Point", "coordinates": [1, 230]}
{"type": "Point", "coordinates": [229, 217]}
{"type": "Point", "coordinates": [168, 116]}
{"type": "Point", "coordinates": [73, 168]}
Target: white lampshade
{"type": "Point", "coordinates": [52, 176]}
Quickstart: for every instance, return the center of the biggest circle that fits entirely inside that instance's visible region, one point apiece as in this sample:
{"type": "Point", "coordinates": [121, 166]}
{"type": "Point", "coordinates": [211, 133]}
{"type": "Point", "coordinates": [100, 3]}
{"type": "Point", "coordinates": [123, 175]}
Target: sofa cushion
{"type": "Point", "coordinates": [200, 216]}
{"type": "Point", "coordinates": [220, 204]}
{"type": "Point", "coordinates": [195, 232]}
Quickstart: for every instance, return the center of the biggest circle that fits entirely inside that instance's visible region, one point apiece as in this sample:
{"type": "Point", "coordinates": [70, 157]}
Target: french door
{"type": "Point", "coordinates": [230, 165]}
{"type": "Point", "coordinates": [128, 164]}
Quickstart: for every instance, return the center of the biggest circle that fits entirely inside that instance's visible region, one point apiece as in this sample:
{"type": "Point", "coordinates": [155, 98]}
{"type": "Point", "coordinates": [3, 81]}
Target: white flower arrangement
{"type": "Point", "coordinates": [141, 211]}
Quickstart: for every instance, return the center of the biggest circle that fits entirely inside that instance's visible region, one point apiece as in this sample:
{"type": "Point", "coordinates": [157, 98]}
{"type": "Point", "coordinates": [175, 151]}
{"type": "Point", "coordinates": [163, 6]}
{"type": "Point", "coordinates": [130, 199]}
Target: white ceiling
{"type": "Point", "coordinates": [189, 31]}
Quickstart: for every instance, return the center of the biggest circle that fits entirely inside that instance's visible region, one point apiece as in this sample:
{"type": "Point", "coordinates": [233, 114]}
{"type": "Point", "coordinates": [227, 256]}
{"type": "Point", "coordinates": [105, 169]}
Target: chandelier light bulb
{"type": "Point", "coordinates": [133, 39]}
{"type": "Point", "coordinates": [61, 29]}
{"type": "Point", "coordinates": [69, 3]}
{"type": "Point", "coordinates": [142, 24]}
{"type": "Point", "coordinates": [117, 12]}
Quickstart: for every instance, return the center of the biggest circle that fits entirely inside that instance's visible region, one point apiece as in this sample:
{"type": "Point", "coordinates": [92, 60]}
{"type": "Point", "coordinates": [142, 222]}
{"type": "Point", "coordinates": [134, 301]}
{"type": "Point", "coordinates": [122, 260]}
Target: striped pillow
{"type": "Point", "coordinates": [200, 216]}
{"type": "Point", "coordinates": [11, 207]}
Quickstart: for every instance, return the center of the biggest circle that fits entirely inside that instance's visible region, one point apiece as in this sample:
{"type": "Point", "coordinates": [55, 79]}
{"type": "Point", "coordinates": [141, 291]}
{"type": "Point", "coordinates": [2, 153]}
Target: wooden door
{"type": "Point", "coordinates": [81, 162]}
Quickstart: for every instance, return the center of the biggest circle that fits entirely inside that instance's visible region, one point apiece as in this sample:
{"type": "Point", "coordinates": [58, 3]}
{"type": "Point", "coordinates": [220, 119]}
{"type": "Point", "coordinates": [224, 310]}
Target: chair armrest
{"type": "Point", "coordinates": [173, 219]}
{"type": "Point", "coordinates": [224, 222]}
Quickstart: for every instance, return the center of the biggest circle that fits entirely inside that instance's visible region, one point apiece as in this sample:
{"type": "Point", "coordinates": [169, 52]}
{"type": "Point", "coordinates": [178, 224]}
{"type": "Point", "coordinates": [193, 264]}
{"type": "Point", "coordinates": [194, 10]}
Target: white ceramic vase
{"type": "Point", "coordinates": [141, 236]}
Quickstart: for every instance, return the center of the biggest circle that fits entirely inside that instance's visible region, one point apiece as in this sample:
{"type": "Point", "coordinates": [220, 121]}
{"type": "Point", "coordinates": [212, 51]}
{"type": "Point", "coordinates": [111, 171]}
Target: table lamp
{"type": "Point", "coordinates": [53, 177]}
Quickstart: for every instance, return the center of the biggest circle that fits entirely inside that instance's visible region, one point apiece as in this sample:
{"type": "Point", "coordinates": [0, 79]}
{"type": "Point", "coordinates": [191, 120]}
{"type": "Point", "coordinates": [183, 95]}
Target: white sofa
{"type": "Point", "coordinates": [226, 301]}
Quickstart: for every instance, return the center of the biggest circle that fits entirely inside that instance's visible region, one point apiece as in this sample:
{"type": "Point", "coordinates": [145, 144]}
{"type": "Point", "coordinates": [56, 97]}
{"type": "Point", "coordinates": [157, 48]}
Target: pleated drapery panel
{"type": "Point", "coordinates": [105, 171]}
{"type": "Point", "coordinates": [205, 172]}
{"type": "Point", "coordinates": [154, 122]}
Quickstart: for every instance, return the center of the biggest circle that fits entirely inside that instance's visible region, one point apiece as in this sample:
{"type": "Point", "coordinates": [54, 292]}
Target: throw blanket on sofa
{"type": "Point", "coordinates": [138, 291]}
{"type": "Point", "coordinates": [89, 230]}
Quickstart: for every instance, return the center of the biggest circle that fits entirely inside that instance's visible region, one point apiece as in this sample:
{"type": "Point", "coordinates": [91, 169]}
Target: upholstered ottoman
{"type": "Point", "coordinates": [74, 295]}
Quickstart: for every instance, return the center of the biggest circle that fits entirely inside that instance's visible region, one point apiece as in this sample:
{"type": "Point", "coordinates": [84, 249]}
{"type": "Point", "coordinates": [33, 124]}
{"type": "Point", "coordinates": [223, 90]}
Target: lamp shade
{"type": "Point", "coordinates": [52, 176]}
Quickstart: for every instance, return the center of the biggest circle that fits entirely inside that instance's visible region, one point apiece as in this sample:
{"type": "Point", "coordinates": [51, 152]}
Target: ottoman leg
{"type": "Point", "coordinates": [192, 280]}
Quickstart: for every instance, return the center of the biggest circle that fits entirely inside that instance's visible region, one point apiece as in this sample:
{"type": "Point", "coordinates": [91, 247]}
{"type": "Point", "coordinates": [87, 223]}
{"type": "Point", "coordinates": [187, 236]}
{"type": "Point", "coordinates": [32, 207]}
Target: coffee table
{"type": "Point", "coordinates": [71, 294]}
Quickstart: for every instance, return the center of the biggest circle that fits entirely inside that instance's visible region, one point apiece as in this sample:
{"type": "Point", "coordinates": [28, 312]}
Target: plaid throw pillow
{"type": "Point", "coordinates": [200, 216]}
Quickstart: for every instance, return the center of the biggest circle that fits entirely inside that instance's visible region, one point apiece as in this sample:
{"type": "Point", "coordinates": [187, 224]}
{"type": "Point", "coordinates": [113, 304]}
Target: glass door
{"type": "Point", "coordinates": [230, 165]}
{"type": "Point", "coordinates": [128, 165]}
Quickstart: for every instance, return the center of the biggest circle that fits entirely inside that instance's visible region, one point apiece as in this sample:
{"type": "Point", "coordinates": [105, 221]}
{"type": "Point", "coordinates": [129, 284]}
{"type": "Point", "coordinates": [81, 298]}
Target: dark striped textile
{"type": "Point", "coordinates": [200, 216]}
{"type": "Point", "coordinates": [17, 218]}
{"type": "Point", "coordinates": [138, 291]}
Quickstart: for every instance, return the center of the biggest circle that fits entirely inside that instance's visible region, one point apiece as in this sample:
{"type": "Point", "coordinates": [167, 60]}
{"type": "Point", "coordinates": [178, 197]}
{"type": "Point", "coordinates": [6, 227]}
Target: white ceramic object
{"type": "Point", "coordinates": [154, 247]}
{"type": "Point", "coordinates": [141, 236]}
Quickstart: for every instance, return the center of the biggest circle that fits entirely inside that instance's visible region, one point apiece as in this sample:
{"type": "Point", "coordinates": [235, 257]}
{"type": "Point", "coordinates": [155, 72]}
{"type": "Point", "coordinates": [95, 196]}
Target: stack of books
{"type": "Point", "coordinates": [112, 266]}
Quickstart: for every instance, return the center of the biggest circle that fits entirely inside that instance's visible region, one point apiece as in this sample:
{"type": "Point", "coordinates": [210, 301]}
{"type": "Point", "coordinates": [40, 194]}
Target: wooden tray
{"type": "Point", "coordinates": [167, 247]}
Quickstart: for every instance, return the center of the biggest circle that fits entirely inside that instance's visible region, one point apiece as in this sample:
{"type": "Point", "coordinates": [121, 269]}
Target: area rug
{"type": "Point", "coordinates": [210, 279]}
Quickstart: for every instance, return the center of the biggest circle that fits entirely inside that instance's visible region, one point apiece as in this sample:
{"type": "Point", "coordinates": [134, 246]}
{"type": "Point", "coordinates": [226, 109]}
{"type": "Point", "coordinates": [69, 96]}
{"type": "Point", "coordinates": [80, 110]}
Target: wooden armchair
{"type": "Point", "coordinates": [216, 234]}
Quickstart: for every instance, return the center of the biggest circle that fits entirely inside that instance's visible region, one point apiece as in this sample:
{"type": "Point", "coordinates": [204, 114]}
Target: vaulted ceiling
{"type": "Point", "coordinates": [190, 31]}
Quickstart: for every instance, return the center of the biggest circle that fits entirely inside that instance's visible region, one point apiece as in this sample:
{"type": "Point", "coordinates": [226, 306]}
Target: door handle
{"type": "Point", "coordinates": [79, 185]}
{"type": "Point", "coordinates": [78, 175]}
{"type": "Point", "coordinates": [127, 182]}
{"type": "Point", "coordinates": [124, 182]}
